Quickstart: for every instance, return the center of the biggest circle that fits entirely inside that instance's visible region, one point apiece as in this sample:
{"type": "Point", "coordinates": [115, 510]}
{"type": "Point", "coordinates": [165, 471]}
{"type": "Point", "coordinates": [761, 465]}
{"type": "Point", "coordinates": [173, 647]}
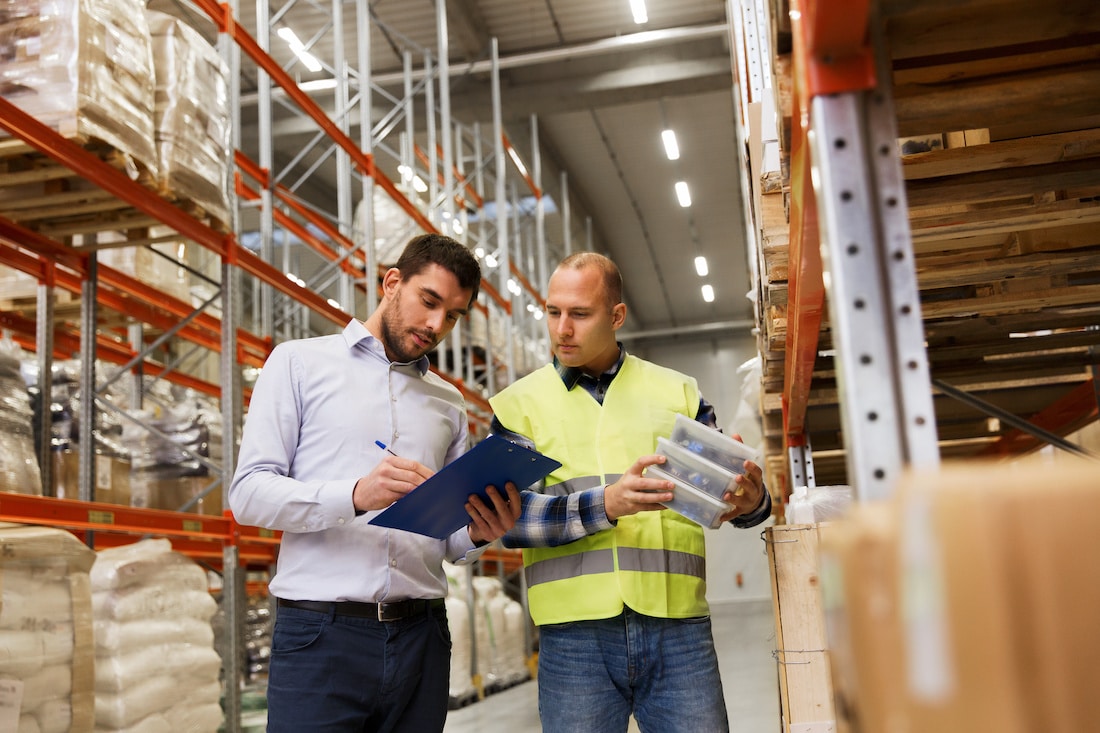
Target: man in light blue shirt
{"type": "Point", "coordinates": [361, 641]}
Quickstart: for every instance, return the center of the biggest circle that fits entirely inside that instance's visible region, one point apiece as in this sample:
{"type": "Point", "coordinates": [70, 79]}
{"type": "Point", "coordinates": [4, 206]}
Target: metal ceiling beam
{"type": "Point", "coordinates": [699, 329]}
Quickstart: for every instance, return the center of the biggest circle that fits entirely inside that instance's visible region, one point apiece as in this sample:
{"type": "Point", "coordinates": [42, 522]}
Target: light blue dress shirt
{"type": "Point", "coordinates": [316, 411]}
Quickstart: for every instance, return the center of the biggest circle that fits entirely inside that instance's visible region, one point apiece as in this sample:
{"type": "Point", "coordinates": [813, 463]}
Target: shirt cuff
{"type": "Point", "coordinates": [593, 511]}
{"type": "Point", "coordinates": [757, 515]}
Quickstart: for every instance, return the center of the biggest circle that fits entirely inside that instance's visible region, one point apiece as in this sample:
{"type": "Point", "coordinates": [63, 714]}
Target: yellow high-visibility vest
{"type": "Point", "coordinates": [654, 562]}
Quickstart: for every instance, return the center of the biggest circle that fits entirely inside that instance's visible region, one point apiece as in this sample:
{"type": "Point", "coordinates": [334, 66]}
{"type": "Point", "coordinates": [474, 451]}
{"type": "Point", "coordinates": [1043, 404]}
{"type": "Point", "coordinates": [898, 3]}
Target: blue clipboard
{"type": "Point", "coordinates": [437, 507]}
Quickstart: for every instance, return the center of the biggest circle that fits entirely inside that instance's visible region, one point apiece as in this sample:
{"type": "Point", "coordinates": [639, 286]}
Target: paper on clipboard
{"type": "Point", "coordinates": [437, 507]}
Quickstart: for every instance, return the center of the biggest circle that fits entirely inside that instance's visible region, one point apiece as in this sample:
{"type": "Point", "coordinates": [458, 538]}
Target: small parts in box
{"type": "Point", "coordinates": [696, 470]}
{"type": "Point", "coordinates": [712, 445]}
{"type": "Point", "coordinates": [698, 506]}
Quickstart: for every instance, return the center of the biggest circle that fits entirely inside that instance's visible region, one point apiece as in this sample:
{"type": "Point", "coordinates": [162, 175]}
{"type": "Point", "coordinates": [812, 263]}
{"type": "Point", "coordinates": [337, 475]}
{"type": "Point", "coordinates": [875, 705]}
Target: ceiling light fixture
{"type": "Point", "coordinates": [708, 293]}
{"type": "Point", "coordinates": [419, 185]}
{"type": "Point", "coordinates": [299, 49]}
{"type": "Point", "coordinates": [672, 149]}
{"type": "Point", "coordinates": [516, 159]}
{"type": "Point", "coordinates": [701, 266]}
{"type": "Point", "coordinates": [683, 194]}
{"type": "Point", "coordinates": [637, 7]}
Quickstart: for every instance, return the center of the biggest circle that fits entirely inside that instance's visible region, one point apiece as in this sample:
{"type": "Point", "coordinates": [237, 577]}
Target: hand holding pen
{"type": "Point", "coordinates": [391, 479]}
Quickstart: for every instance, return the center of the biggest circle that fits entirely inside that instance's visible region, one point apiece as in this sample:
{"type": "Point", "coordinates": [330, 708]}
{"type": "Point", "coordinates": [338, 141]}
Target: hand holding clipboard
{"type": "Point", "coordinates": [437, 507]}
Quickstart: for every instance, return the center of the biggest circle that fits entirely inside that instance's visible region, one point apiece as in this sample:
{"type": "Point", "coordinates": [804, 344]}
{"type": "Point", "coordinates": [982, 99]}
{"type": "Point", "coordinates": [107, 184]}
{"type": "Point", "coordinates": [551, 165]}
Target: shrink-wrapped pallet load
{"type": "Point", "coordinates": [84, 68]}
{"type": "Point", "coordinates": [156, 668]}
{"type": "Point", "coordinates": [19, 471]}
{"type": "Point", "coordinates": [47, 653]}
{"type": "Point", "coordinates": [191, 116]}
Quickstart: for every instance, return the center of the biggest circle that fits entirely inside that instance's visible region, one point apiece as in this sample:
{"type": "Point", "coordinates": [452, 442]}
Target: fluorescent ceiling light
{"type": "Point", "coordinates": [299, 49]}
{"type": "Point", "coordinates": [317, 85]}
{"type": "Point", "coordinates": [708, 293]}
{"type": "Point", "coordinates": [683, 194]}
{"type": "Point", "coordinates": [672, 149]}
{"type": "Point", "coordinates": [515, 159]}
{"type": "Point", "coordinates": [701, 266]}
{"type": "Point", "coordinates": [637, 7]}
{"type": "Point", "coordinates": [419, 184]}
{"type": "Point", "coordinates": [334, 304]}
{"type": "Point", "coordinates": [490, 261]}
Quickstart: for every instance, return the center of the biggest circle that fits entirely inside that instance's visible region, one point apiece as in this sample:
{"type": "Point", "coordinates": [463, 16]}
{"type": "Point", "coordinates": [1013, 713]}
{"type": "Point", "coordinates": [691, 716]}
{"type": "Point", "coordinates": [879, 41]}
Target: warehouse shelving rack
{"type": "Point", "coordinates": [965, 270]}
{"type": "Point", "coordinates": [264, 193]}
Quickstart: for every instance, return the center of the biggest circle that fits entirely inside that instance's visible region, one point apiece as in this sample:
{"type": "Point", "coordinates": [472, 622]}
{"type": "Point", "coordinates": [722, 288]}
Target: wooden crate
{"type": "Point", "coordinates": [805, 689]}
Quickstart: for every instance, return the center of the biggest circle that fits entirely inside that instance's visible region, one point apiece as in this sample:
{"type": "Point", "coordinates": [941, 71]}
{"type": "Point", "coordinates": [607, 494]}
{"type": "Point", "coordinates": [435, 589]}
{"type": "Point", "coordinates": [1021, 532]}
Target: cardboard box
{"type": "Point", "coordinates": [171, 493]}
{"type": "Point", "coordinates": [112, 478]}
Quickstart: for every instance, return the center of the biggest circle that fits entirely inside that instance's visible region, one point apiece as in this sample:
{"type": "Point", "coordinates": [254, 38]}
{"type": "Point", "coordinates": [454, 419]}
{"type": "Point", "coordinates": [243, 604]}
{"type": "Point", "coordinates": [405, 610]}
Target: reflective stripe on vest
{"type": "Point", "coordinates": [635, 559]}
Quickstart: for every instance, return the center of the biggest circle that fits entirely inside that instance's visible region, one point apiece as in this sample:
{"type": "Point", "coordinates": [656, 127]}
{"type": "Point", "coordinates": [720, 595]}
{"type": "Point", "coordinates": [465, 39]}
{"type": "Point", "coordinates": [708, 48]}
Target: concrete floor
{"type": "Point", "coordinates": [744, 636]}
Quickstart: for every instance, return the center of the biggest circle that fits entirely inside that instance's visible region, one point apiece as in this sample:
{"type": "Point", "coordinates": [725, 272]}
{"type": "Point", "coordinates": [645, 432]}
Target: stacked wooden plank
{"type": "Point", "coordinates": [1003, 185]}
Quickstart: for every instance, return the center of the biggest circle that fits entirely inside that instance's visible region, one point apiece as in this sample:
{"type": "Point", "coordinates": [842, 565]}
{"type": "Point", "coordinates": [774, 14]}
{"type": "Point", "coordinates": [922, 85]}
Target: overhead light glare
{"type": "Point", "coordinates": [334, 304]}
{"type": "Point", "coordinates": [708, 293]}
{"type": "Point", "coordinates": [672, 148]}
{"type": "Point", "coordinates": [701, 266]}
{"type": "Point", "coordinates": [516, 159]}
{"type": "Point", "coordinates": [683, 194]}
{"type": "Point", "coordinates": [637, 8]}
{"type": "Point", "coordinates": [490, 261]}
{"type": "Point", "coordinates": [419, 185]}
{"type": "Point", "coordinates": [317, 85]}
{"type": "Point", "coordinates": [299, 49]}
{"type": "Point", "coordinates": [479, 252]}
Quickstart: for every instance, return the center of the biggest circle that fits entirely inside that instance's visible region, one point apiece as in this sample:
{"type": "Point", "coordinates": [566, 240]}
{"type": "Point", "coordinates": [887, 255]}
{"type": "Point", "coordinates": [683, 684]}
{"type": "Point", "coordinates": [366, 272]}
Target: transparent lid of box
{"type": "Point", "coordinates": [711, 444]}
{"type": "Point", "coordinates": [695, 469]}
{"type": "Point", "coordinates": [698, 506]}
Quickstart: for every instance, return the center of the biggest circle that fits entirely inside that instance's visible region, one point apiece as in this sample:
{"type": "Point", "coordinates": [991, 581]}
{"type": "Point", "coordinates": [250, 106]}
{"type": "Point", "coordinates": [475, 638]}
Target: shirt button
{"type": "Point", "coordinates": [393, 563]}
{"type": "Point", "coordinates": [340, 520]}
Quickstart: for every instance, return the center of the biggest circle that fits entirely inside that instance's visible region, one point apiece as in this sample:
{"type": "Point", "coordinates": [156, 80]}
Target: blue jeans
{"type": "Point", "coordinates": [594, 674]}
{"type": "Point", "coordinates": [341, 674]}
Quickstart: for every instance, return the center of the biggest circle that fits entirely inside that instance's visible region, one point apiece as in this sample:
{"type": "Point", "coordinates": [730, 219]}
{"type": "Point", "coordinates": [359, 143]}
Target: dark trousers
{"type": "Point", "coordinates": [344, 674]}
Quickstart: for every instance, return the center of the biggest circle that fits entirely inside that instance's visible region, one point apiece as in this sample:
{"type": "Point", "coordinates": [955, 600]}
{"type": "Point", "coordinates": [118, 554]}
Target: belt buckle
{"type": "Point", "coordinates": [383, 608]}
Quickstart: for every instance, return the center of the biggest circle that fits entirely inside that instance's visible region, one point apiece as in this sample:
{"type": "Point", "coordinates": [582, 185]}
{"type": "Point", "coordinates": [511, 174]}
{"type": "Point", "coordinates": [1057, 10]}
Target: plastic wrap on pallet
{"type": "Point", "coordinates": [82, 67]}
{"type": "Point", "coordinates": [191, 116]}
{"type": "Point", "coordinates": [155, 662]}
{"type": "Point", "coordinates": [47, 651]}
{"type": "Point", "coordinates": [19, 471]}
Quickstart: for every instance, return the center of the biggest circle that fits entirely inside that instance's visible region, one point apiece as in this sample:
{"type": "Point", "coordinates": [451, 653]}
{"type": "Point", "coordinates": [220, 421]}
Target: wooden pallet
{"type": "Point", "coordinates": [45, 196]}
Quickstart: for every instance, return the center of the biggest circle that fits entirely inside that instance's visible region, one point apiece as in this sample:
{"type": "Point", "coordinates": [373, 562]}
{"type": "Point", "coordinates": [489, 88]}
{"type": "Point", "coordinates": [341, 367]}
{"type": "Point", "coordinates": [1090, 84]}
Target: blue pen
{"type": "Point", "coordinates": [382, 445]}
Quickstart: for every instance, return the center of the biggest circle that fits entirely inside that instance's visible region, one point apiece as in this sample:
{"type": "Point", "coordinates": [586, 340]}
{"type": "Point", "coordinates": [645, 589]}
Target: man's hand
{"type": "Point", "coordinates": [634, 492]}
{"type": "Point", "coordinates": [749, 492]}
{"type": "Point", "coordinates": [389, 481]}
{"type": "Point", "coordinates": [493, 522]}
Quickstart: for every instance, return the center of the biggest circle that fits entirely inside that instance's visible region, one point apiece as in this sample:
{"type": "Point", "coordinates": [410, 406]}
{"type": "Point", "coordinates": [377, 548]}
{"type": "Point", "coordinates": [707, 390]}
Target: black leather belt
{"type": "Point", "coordinates": [391, 611]}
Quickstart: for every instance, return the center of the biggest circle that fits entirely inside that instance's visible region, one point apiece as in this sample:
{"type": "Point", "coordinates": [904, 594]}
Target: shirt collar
{"type": "Point", "coordinates": [355, 333]}
{"type": "Point", "coordinates": [571, 375]}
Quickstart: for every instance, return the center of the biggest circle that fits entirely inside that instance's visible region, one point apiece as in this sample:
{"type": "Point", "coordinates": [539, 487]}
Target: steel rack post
{"type": "Point", "coordinates": [344, 209]}
{"type": "Point", "coordinates": [540, 208]}
{"type": "Point", "coordinates": [86, 423]}
{"type": "Point", "coordinates": [44, 341]}
{"type": "Point", "coordinates": [874, 305]}
{"type": "Point", "coordinates": [503, 258]}
{"type": "Point", "coordinates": [566, 226]}
{"type": "Point", "coordinates": [366, 142]}
{"type": "Point", "coordinates": [266, 161]}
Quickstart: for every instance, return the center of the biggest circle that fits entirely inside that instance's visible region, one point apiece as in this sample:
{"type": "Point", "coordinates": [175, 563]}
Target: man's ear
{"type": "Point", "coordinates": [618, 316]}
{"type": "Point", "coordinates": [390, 281]}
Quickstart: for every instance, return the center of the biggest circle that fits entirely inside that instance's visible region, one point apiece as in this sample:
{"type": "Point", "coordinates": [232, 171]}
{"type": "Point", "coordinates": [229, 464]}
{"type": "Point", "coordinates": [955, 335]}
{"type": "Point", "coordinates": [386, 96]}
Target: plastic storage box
{"type": "Point", "coordinates": [695, 470]}
{"type": "Point", "coordinates": [696, 505]}
{"type": "Point", "coordinates": [711, 444]}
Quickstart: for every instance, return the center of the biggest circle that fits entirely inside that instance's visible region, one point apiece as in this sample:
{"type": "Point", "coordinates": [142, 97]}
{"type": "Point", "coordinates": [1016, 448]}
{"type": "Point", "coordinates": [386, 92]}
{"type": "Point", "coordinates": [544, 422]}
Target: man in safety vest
{"type": "Point", "coordinates": [616, 586]}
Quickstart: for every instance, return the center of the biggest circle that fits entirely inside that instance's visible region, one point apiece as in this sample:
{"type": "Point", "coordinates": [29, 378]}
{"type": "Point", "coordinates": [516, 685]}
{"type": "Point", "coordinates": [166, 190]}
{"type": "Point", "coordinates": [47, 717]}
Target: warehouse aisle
{"type": "Point", "coordinates": [744, 634]}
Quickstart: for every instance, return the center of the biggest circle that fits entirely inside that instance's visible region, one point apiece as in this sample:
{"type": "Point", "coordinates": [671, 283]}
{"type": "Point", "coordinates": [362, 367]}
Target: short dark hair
{"type": "Point", "coordinates": [439, 249]}
{"type": "Point", "coordinates": [612, 278]}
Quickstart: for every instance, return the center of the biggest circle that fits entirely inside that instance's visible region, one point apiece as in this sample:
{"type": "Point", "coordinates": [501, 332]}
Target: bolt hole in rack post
{"type": "Point", "coordinates": [130, 321]}
{"type": "Point", "coordinates": [924, 210]}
